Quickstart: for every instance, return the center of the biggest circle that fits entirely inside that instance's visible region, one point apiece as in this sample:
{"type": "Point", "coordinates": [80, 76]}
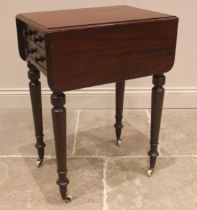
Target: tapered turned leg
{"type": "Point", "coordinates": [59, 127]}
{"type": "Point", "coordinates": [120, 87]}
{"type": "Point", "coordinates": [156, 112]}
{"type": "Point", "coordinates": [35, 93]}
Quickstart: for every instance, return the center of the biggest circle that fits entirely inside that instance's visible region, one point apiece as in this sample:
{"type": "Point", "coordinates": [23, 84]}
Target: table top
{"type": "Point", "coordinates": [94, 46]}
{"type": "Point", "coordinates": [88, 16]}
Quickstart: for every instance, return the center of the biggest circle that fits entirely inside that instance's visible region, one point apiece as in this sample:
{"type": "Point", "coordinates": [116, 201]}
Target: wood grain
{"type": "Point", "coordinates": [94, 56]}
{"type": "Point", "coordinates": [51, 20]}
{"type": "Point", "coordinates": [94, 46]}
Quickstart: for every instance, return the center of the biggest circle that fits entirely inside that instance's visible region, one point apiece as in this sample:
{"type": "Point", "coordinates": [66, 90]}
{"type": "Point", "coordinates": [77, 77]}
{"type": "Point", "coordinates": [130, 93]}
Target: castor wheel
{"type": "Point", "coordinates": [119, 142]}
{"type": "Point", "coordinates": [68, 199]}
{"type": "Point", "coordinates": [39, 162]}
{"type": "Point", "coordinates": [150, 172]}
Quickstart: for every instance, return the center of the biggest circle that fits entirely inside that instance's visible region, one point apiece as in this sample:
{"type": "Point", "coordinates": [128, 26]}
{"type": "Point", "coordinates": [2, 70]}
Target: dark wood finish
{"type": "Point", "coordinates": [119, 43]}
{"type": "Point", "coordinates": [108, 54]}
{"type": "Point", "coordinates": [51, 20]}
{"type": "Point", "coordinates": [120, 87]}
{"type": "Point", "coordinates": [36, 101]}
{"type": "Point", "coordinates": [86, 47]}
{"type": "Point", "coordinates": [59, 127]}
{"type": "Point", "coordinates": [21, 26]}
{"type": "Point", "coordinates": [156, 112]}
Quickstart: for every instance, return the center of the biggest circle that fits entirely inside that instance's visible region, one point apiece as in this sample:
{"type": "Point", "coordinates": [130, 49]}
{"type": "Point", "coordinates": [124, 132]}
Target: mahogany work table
{"type": "Point", "coordinates": [86, 47]}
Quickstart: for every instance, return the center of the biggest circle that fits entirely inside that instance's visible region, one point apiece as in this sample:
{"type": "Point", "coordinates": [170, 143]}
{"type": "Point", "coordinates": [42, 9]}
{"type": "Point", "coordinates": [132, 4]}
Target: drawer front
{"type": "Point", "coordinates": [36, 53]}
{"type": "Point", "coordinates": [35, 47]}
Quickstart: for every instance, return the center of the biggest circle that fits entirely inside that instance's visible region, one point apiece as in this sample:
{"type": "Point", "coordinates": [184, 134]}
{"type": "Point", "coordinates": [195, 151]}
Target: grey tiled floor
{"type": "Point", "coordinates": [102, 175]}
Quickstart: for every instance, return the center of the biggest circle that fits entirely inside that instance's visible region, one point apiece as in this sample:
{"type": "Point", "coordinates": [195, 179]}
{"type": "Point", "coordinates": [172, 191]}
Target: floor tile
{"type": "Point", "coordinates": [96, 134]}
{"type": "Point", "coordinates": [17, 132]}
{"type": "Point", "coordinates": [178, 134]}
{"type": "Point", "coordinates": [23, 186]}
{"type": "Point", "coordinates": [172, 187]}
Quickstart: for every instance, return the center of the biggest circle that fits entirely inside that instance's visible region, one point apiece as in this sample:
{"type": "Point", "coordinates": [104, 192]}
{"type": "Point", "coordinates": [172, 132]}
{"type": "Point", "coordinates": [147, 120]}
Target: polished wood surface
{"type": "Point", "coordinates": [139, 43]}
{"type": "Point", "coordinates": [97, 56]}
{"type": "Point", "coordinates": [51, 20]}
{"type": "Point", "coordinates": [59, 127]}
{"type": "Point", "coordinates": [156, 112]}
{"type": "Point", "coordinates": [86, 47]}
{"type": "Point", "coordinates": [120, 88]}
{"type": "Point", "coordinates": [36, 101]}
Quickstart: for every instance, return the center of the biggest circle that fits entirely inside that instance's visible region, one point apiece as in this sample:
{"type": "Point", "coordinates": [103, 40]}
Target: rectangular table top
{"type": "Point", "coordinates": [93, 46]}
{"type": "Point", "coordinates": [51, 20]}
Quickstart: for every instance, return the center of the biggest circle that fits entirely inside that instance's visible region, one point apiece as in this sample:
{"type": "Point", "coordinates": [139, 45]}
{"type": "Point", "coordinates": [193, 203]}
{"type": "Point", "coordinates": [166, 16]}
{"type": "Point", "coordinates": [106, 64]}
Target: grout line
{"type": "Point", "coordinates": [105, 184]}
{"type": "Point", "coordinates": [76, 129]}
{"type": "Point", "coordinates": [96, 156]}
{"type": "Point", "coordinates": [159, 149]}
{"type": "Point", "coordinates": [148, 116]}
{"type": "Point", "coordinates": [26, 156]}
{"type": "Point", "coordinates": [107, 108]}
{"type": "Point", "coordinates": [160, 156]}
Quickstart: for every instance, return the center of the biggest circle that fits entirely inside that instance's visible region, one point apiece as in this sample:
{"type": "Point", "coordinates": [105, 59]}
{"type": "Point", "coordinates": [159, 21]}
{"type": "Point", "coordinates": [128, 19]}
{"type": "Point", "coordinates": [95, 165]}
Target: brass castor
{"type": "Point", "coordinates": [39, 162]}
{"type": "Point", "coordinates": [68, 199]}
{"type": "Point", "coordinates": [119, 142]}
{"type": "Point", "coordinates": [150, 172]}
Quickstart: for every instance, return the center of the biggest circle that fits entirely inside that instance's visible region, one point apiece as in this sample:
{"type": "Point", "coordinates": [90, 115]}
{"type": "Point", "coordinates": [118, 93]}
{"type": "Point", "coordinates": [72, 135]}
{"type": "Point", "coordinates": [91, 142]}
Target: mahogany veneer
{"type": "Point", "coordinates": [93, 46]}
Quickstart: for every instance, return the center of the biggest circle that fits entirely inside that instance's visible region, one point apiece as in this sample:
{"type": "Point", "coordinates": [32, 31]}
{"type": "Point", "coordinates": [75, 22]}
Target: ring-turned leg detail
{"type": "Point", "coordinates": [59, 127]}
{"type": "Point", "coordinates": [36, 101]}
{"type": "Point", "coordinates": [120, 87]}
{"type": "Point", "coordinates": [156, 112]}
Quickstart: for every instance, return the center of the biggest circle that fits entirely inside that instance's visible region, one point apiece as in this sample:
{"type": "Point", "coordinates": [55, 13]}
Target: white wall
{"type": "Point", "coordinates": [181, 86]}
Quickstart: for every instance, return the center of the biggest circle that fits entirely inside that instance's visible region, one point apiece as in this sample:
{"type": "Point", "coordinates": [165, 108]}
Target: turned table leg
{"type": "Point", "coordinates": [59, 127]}
{"type": "Point", "coordinates": [156, 112]}
{"type": "Point", "coordinates": [120, 87]}
{"type": "Point", "coordinates": [35, 93]}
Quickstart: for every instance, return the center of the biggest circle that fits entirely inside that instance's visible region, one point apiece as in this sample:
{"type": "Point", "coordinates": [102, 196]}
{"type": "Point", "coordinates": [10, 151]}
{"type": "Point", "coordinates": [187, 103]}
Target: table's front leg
{"type": "Point", "coordinates": [36, 101]}
{"type": "Point", "coordinates": [156, 112]}
{"type": "Point", "coordinates": [59, 128]}
{"type": "Point", "coordinates": [120, 87]}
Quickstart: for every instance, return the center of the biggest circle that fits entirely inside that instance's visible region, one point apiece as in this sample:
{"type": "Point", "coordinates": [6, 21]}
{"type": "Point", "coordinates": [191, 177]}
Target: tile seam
{"type": "Point", "coordinates": [76, 130]}
{"type": "Point", "coordinates": [105, 183]}
{"type": "Point", "coordinates": [148, 116]}
{"type": "Point", "coordinates": [99, 157]}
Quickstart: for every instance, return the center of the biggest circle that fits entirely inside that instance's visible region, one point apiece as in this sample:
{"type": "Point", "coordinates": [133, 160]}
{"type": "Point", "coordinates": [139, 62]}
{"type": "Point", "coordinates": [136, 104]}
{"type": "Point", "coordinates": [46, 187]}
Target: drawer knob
{"type": "Point", "coordinates": [38, 39]}
{"type": "Point", "coordinates": [32, 51]}
{"type": "Point", "coordinates": [29, 33]}
{"type": "Point", "coordinates": [40, 59]}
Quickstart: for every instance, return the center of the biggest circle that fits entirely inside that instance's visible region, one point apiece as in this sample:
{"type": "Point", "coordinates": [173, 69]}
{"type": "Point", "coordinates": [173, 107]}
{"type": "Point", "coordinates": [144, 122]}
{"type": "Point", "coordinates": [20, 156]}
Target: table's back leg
{"type": "Point", "coordinates": [120, 87]}
{"type": "Point", "coordinates": [59, 128]}
{"type": "Point", "coordinates": [36, 101]}
{"type": "Point", "coordinates": [156, 112]}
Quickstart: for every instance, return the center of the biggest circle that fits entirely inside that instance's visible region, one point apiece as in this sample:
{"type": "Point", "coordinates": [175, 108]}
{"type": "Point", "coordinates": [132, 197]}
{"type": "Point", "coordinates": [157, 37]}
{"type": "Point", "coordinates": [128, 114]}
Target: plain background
{"type": "Point", "coordinates": [181, 86]}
